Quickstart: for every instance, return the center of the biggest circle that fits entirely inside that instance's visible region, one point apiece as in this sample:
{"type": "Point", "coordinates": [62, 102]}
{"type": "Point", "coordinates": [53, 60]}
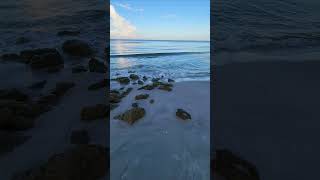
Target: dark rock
{"type": "Point", "coordinates": [12, 57]}
{"type": "Point", "coordinates": [131, 71]}
{"type": "Point", "coordinates": [232, 167]}
{"type": "Point", "coordinates": [82, 162]}
{"type": "Point", "coordinates": [132, 115]}
{"type": "Point", "coordinates": [155, 79]}
{"type": "Point", "coordinates": [97, 66]}
{"type": "Point", "coordinates": [170, 80]}
{"type": "Point", "coordinates": [135, 105]}
{"type": "Point", "coordinates": [54, 69]}
{"type": "Point", "coordinates": [123, 80]}
{"type": "Point", "coordinates": [165, 88]}
{"type": "Point", "coordinates": [142, 96]}
{"type": "Point", "coordinates": [38, 85]}
{"type": "Point", "coordinates": [79, 137]}
{"type": "Point", "coordinates": [46, 60]}
{"type": "Point", "coordinates": [77, 48]}
{"type": "Point", "coordinates": [9, 121]}
{"type": "Point", "coordinates": [140, 82]}
{"type": "Point", "coordinates": [134, 77]}
{"type": "Point", "coordinates": [22, 40]}
{"type": "Point", "coordinates": [13, 94]}
{"type": "Point", "coordinates": [49, 99]}
{"type": "Point", "coordinates": [114, 97]}
{"type": "Point", "coordinates": [147, 87]}
{"type": "Point", "coordinates": [144, 78]}
{"type": "Point", "coordinates": [28, 54]}
{"type": "Point", "coordinates": [183, 114]}
{"type": "Point", "coordinates": [151, 101]}
{"type": "Point", "coordinates": [95, 112]}
{"type": "Point", "coordinates": [79, 69]}
{"type": "Point", "coordinates": [10, 140]}
{"type": "Point", "coordinates": [101, 84]}
{"type": "Point", "coordinates": [68, 33]}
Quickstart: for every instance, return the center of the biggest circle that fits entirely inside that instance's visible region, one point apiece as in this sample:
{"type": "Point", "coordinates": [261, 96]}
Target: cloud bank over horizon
{"type": "Point", "coordinates": [120, 28]}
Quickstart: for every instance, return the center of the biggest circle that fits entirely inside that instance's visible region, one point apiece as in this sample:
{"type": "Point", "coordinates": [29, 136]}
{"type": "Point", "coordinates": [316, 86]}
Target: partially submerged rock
{"type": "Point", "coordinates": [230, 166]}
{"type": "Point", "coordinates": [140, 82]}
{"type": "Point", "coordinates": [151, 101]}
{"type": "Point", "coordinates": [97, 66]}
{"type": "Point", "coordinates": [82, 162]}
{"type": "Point", "coordinates": [77, 48]}
{"type": "Point", "coordinates": [101, 84]}
{"type": "Point", "coordinates": [144, 78]}
{"type": "Point", "coordinates": [170, 80]}
{"type": "Point", "coordinates": [91, 113]}
{"type": "Point", "coordinates": [123, 80]}
{"type": "Point", "coordinates": [142, 96]}
{"type": "Point", "coordinates": [182, 114]}
{"type": "Point", "coordinates": [165, 87]}
{"type": "Point", "coordinates": [46, 60]}
{"type": "Point", "coordinates": [132, 115]}
{"type": "Point", "coordinates": [134, 77]}
{"type": "Point", "coordinates": [114, 97]}
{"type": "Point", "coordinates": [135, 104]}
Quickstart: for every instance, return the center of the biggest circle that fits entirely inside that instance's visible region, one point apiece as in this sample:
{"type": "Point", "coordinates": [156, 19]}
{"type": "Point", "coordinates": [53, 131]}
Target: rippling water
{"type": "Point", "coordinates": [180, 60]}
{"type": "Point", "coordinates": [261, 25]}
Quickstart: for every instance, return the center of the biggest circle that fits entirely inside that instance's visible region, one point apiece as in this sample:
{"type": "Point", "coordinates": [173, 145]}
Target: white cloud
{"type": "Point", "coordinates": [120, 27]}
{"type": "Point", "coordinates": [129, 7]}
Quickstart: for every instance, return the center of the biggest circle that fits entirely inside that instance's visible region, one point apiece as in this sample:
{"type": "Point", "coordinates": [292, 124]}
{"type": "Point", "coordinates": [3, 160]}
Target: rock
{"type": "Point", "coordinates": [140, 82]}
{"type": "Point", "coordinates": [114, 97]}
{"type": "Point", "coordinates": [123, 80]}
{"type": "Point", "coordinates": [9, 121]}
{"type": "Point", "coordinates": [230, 166]}
{"type": "Point", "coordinates": [62, 87]}
{"type": "Point", "coordinates": [97, 66]}
{"type": "Point", "coordinates": [131, 71]}
{"type": "Point", "coordinates": [134, 77]}
{"type": "Point", "coordinates": [91, 113]}
{"type": "Point", "coordinates": [155, 79]}
{"type": "Point", "coordinates": [52, 59]}
{"type": "Point", "coordinates": [82, 162]}
{"type": "Point", "coordinates": [132, 115]}
{"type": "Point", "coordinates": [13, 94]}
{"type": "Point", "coordinates": [49, 99]}
{"type": "Point", "coordinates": [12, 57]}
{"type": "Point", "coordinates": [142, 96]}
{"type": "Point", "coordinates": [10, 140]}
{"type": "Point", "coordinates": [147, 87]}
{"type": "Point", "coordinates": [79, 137]}
{"type": "Point", "coordinates": [68, 33]}
{"type": "Point", "coordinates": [135, 105]}
{"type": "Point", "coordinates": [165, 88]}
{"type": "Point", "coordinates": [183, 114]}
{"type": "Point", "coordinates": [79, 69]}
{"type": "Point", "coordinates": [144, 78]}
{"type": "Point", "coordinates": [151, 101]}
{"type": "Point", "coordinates": [28, 54]}
{"type": "Point", "coordinates": [77, 48]}
{"type": "Point", "coordinates": [54, 69]}
{"type": "Point", "coordinates": [170, 80]}
{"type": "Point", "coordinates": [38, 85]}
{"type": "Point", "coordinates": [101, 84]}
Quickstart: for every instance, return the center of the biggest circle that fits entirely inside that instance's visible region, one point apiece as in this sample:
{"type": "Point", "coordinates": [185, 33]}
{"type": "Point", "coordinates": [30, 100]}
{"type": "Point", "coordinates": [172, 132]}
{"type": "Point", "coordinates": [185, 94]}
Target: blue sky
{"type": "Point", "coordinates": [160, 19]}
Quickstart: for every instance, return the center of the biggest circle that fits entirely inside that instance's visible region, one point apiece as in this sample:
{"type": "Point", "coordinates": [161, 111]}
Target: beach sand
{"type": "Point", "coordinates": [160, 145]}
{"type": "Point", "coordinates": [268, 113]}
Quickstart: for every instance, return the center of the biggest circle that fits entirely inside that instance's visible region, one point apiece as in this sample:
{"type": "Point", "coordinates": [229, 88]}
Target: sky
{"type": "Point", "coordinates": [160, 19]}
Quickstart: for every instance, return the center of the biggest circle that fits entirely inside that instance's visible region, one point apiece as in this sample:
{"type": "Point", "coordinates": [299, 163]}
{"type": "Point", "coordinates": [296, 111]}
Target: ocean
{"type": "Point", "coordinates": [178, 60]}
{"type": "Point", "coordinates": [284, 29]}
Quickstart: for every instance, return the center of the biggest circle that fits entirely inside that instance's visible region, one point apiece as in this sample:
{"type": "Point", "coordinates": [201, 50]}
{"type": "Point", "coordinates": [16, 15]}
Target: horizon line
{"type": "Point", "coordinates": [158, 39]}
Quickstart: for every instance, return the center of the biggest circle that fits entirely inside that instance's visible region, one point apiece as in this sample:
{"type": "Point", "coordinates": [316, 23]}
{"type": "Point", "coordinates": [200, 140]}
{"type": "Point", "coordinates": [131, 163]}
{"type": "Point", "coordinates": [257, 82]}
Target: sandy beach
{"type": "Point", "coordinates": [160, 145]}
{"type": "Point", "coordinates": [267, 113]}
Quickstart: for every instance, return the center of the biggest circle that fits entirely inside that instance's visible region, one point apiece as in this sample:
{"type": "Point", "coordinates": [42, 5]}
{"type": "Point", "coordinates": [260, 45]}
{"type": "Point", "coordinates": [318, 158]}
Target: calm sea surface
{"type": "Point", "coordinates": [179, 60]}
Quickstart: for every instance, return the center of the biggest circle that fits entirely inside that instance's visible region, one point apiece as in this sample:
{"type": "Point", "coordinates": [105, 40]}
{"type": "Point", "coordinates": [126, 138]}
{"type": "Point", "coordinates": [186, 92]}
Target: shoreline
{"type": "Point", "coordinates": [182, 145]}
